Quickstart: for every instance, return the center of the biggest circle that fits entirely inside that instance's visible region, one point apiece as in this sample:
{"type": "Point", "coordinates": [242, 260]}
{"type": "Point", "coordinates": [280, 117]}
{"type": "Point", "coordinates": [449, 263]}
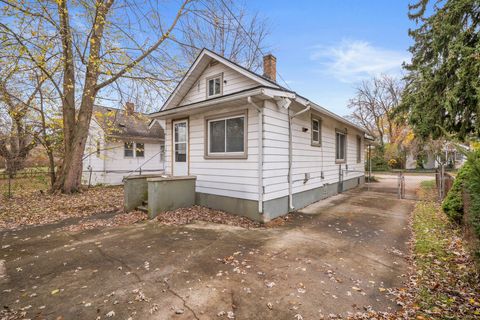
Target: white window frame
{"type": "Point", "coordinates": [125, 148]}
{"type": "Point", "coordinates": [136, 148]}
{"type": "Point", "coordinates": [344, 134]}
{"type": "Point", "coordinates": [359, 149]}
{"type": "Point", "coordinates": [316, 143]}
{"type": "Point", "coordinates": [229, 155]}
{"type": "Point", "coordinates": [220, 79]}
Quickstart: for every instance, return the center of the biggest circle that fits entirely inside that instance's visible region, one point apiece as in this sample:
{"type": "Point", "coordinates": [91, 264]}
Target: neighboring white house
{"type": "Point", "coordinates": [431, 160]}
{"type": "Point", "coordinates": [256, 148]}
{"type": "Point", "coordinates": [122, 143]}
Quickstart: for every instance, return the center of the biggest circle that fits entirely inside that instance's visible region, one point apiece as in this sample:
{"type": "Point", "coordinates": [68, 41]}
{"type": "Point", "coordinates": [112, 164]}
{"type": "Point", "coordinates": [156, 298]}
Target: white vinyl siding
{"type": "Point", "coordinates": [232, 82]}
{"type": "Point", "coordinates": [306, 158]}
{"type": "Point", "coordinates": [226, 177]}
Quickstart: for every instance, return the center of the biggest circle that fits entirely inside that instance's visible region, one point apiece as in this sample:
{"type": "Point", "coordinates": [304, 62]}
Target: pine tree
{"type": "Point", "coordinates": [443, 80]}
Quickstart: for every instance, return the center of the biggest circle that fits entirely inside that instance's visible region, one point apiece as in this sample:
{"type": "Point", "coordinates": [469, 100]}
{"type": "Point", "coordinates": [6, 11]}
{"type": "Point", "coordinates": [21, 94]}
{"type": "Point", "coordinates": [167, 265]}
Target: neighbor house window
{"type": "Point", "coordinates": [214, 86]}
{"type": "Point", "coordinates": [226, 137]}
{"type": "Point", "coordinates": [340, 146]}
{"type": "Point", "coordinates": [162, 153]}
{"type": "Point", "coordinates": [359, 149]}
{"type": "Point", "coordinates": [128, 149]}
{"type": "Point", "coordinates": [98, 148]}
{"type": "Point", "coordinates": [139, 150]}
{"type": "Point", "coordinates": [316, 132]}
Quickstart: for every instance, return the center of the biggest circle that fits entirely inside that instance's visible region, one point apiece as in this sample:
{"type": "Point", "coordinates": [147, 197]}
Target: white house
{"type": "Point", "coordinates": [256, 148]}
{"type": "Point", "coordinates": [122, 143]}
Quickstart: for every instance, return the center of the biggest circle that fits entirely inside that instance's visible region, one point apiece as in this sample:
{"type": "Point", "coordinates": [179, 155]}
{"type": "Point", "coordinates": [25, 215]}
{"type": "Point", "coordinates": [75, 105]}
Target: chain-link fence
{"type": "Point", "coordinates": [39, 180]}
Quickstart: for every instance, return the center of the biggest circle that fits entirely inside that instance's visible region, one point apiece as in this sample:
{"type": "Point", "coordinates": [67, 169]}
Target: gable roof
{"type": "Point", "coordinates": [119, 124]}
{"type": "Point", "coordinates": [200, 64]}
{"type": "Point", "coordinates": [196, 69]}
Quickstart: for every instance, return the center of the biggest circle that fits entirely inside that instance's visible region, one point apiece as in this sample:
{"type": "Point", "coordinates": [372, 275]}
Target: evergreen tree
{"type": "Point", "coordinates": [443, 79]}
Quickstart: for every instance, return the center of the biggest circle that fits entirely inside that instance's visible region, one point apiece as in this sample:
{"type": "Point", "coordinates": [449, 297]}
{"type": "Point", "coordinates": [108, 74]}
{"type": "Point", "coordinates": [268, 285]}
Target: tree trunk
{"type": "Point", "coordinates": [51, 165]}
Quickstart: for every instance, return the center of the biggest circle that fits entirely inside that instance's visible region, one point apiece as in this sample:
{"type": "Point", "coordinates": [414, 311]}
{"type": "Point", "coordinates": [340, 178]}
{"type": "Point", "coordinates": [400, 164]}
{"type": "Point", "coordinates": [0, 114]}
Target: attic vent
{"type": "Point", "coordinates": [213, 62]}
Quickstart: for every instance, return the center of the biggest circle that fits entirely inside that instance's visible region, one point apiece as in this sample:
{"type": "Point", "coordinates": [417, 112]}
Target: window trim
{"type": "Point", "coordinates": [359, 149]}
{"type": "Point", "coordinates": [218, 75]}
{"type": "Point", "coordinates": [344, 133]}
{"type": "Point", "coordinates": [226, 155]}
{"type": "Point", "coordinates": [124, 149]}
{"type": "Point", "coordinates": [136, 156]}
{"type": "Point", "coordinates": [319, 120]}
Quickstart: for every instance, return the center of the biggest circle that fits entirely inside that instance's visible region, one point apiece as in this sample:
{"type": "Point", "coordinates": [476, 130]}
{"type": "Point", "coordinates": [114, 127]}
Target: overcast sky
{"type": "Point", "coordinates": [325, 47]}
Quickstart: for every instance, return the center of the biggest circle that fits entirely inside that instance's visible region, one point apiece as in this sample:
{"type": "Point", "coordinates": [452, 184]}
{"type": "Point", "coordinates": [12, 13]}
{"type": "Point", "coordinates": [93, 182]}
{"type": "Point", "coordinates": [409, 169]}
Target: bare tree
{"type": "Point", "coordinates": [226, 28]}
{"type": "Point", "coordinates": [108, 50]}
{"type": "Point", "coordinates": [374, 108]}
{"type": "Point", "coordinates": [17, 131]}
{"type": "Point", "coordinates": [97, 43]}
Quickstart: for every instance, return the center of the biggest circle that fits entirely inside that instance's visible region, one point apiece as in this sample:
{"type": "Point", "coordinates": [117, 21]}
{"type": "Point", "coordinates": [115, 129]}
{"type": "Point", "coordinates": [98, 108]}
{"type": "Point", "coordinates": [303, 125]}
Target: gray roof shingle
{"type": "Point", "coordinates": [119, 124]}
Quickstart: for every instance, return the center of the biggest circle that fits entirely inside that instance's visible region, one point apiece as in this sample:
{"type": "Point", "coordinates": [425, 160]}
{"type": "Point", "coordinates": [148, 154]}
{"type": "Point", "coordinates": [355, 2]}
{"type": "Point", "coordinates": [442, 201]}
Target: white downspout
{"type": "Point", "coordinates": [260, 153]}
{"type": "Point", "coordinates": [290, 152]}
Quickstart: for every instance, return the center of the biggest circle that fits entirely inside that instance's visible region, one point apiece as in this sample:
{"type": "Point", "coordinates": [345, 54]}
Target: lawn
{"type": "Point", "coordinates": [447, 282]}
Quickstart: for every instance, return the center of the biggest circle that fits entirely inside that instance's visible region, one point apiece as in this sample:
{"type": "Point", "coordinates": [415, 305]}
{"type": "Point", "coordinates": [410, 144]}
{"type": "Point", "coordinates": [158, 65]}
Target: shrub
{"type": "Point", "coordinates": [453, 203]}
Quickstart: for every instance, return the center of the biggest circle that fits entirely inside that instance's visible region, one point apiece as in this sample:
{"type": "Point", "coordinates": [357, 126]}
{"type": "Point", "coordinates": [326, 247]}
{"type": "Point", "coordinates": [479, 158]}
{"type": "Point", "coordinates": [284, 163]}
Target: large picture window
{"type": "Point", "coordinates": [340, 147]}
{"type": "Point", "coordinates": [226, 137]}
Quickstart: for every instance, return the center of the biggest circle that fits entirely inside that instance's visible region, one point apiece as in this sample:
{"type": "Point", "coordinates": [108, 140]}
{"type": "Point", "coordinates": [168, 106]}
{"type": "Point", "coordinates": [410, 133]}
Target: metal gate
{"type": "Point", "coordinates": [400, 181]}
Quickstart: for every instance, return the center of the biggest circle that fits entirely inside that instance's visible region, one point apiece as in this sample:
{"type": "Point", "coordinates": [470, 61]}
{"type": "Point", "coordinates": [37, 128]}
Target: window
{"type": "Point", "coordinates": [128, 150]}
{"type": "Point", "coordinates": [316, 132]}
{"type": "Point", "coordinates": [226, 137]}
{"type": "Point", "coordinates": [340, 147]}
{"type": "Point", "coordinates": [359, 149]}
{"type": "Point", "coordinates": [162, 153]}
{"type": "Point", "coordinates": [98, 149]}
{"type": "Point", "coordinates": [181, 142]}
{"type": "Point", "coordinates": [214, 86]}
{"type": "Point", "coordinates": [139, 150]}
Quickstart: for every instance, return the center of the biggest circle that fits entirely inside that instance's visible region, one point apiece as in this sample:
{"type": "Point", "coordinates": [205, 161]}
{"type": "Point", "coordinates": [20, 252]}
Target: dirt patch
{"type": "Point", "coordinates": [37, 208]}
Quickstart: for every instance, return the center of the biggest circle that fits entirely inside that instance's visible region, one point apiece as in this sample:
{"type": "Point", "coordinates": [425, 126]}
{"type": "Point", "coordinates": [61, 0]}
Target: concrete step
{"type": "Point", "coordinates": [143, 208]}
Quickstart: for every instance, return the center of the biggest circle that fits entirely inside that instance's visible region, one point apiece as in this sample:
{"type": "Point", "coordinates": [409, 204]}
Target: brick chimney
{"type": "Point", "coordinates": [129, 108]}
{"type": "Point", "coordinates": [270, 67]}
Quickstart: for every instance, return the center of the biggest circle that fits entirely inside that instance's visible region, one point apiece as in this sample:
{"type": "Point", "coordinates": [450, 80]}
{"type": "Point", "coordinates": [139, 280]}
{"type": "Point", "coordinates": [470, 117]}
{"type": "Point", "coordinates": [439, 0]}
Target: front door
{"type": "Point", "coordinates": [180, 148]}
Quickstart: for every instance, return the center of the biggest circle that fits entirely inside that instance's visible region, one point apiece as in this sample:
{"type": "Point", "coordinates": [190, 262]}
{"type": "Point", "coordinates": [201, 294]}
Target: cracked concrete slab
{"type": "Point", "coordinates": [335, 256]}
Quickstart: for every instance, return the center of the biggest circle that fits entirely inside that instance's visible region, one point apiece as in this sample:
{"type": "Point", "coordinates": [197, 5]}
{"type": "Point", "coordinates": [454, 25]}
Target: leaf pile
{"type": "Point", "coordinates": [36, 208]}
{"type": "Point", "coordinates": [198, 213]}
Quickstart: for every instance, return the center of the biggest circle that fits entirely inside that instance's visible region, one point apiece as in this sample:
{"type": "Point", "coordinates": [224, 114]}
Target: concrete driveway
{"type": "Point", "coordinates": [336, 256]}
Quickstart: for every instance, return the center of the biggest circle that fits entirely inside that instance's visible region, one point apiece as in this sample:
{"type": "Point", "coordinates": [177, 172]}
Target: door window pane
{"type": "Point", "coordinates": [217, 136]}
{"type": "Point", "coordinates": [180, 152]}
{"type": "Point", "coordinates": [181, 132]}
{"type": "Point", "coordinates": [235, 134]}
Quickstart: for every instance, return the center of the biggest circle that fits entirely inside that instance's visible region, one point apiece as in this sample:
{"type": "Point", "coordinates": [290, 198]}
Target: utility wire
{"type": "Point", "coordinates": [251, 39]}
